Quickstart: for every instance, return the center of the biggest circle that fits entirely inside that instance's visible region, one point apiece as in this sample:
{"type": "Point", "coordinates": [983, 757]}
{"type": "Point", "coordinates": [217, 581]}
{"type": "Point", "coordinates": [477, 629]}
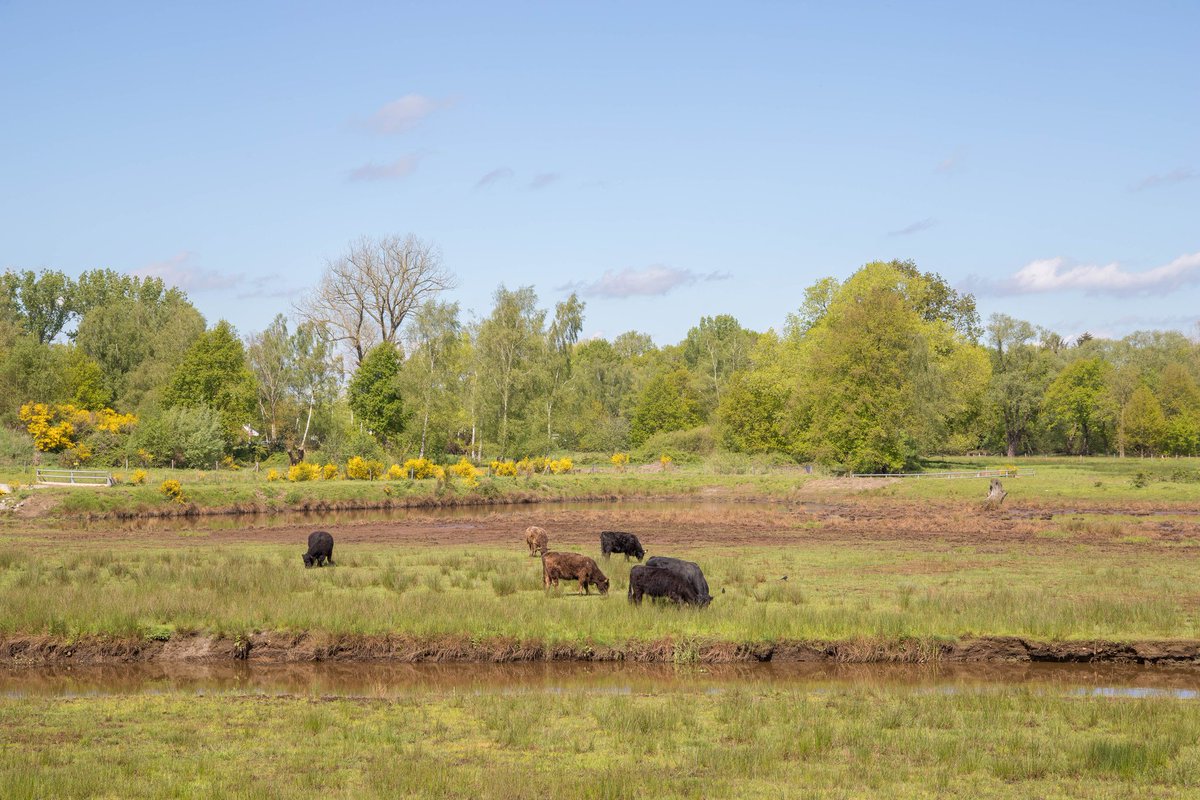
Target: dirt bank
{"type": "Point", "coordinates": [281, 648]}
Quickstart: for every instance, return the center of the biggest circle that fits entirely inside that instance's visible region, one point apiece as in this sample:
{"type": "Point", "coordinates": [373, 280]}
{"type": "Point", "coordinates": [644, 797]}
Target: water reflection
{"type": "Point", "coordinates": [390, 679]}
{"type": "Point", "coordinates": [225, 522]}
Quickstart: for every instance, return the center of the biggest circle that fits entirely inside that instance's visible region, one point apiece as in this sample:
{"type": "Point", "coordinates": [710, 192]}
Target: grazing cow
{"type": "Point", "coordinates": [320, 548]}
{"type": "Point", "coordinates": [661, 582]}
{"type": "Point", "coordinates": [687, 570]}
{"type": "Point", "coordinates": [572, 566]}
{"type": "Point", "coordinates": [620, 542]}
{"type": "Point", "coordinates": [537, 540]}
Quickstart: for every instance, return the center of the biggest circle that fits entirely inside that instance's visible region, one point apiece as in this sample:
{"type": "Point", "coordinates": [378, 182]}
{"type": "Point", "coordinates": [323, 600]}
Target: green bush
{"type": "Point", "coordinates": [684, 447]}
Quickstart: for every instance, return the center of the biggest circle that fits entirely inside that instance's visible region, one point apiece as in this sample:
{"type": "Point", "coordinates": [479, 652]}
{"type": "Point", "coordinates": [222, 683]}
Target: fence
{"type": "Point", "coordinates": [979, 473]}
{"type": "Point", "coordinates": [74, 477]}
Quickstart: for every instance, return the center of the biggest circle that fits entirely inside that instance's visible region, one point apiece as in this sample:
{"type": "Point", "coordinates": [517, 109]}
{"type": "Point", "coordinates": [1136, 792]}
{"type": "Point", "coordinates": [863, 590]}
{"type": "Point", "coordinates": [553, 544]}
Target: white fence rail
{"type": "Point", "coordinates": [979, 473]}
{"type": "Point", "coordinates": [74, 477]}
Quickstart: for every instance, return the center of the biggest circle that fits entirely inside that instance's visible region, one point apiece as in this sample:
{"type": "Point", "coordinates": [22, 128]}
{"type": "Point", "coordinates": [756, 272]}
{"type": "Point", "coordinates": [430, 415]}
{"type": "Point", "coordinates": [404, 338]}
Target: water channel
{"type": "Point", "coordinates": [383, 679]}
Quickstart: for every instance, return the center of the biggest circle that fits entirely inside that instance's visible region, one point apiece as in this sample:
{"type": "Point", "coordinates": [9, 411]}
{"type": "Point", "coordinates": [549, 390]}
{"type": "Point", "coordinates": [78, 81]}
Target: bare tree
{"type": "Point", "coordinates": [365, 295]}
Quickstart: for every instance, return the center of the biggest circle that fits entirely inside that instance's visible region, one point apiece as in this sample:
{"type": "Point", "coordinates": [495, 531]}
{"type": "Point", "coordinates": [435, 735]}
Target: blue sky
{"type": "Point", "coordinates": [667, 160]}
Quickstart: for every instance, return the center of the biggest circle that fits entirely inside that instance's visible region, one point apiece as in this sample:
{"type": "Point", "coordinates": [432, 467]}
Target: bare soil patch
{"type": "Point", "coordinates": [279, 648]}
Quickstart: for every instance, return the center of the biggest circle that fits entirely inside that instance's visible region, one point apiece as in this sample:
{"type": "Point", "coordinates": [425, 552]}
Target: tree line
{"type": "Point", "coordinates": [870, 373]}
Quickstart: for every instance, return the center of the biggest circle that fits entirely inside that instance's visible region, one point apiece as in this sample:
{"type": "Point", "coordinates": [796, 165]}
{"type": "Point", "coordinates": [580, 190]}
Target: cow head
{"type": "Point", "coordinates": [308, 560]}
{"type": "Point", "coordinates": [602, 584]}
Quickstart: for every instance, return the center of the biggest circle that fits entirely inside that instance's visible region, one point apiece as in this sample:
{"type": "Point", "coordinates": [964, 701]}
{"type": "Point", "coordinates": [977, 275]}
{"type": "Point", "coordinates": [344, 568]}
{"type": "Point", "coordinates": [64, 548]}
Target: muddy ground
{"type": "Point", "coordinates": [668, 524]}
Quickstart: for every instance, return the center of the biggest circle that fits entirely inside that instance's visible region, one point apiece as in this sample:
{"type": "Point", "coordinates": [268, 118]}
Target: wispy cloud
{"type": "Point", "coordinates": [953, 163]}
{"type": "Point", "coordinates": [268, 286]}
{"type": "Point", "coordinates": [1177, 175]}
{"type": "Point", "coordinates": [404, 114]}
{"type": "Point", "coordinates": [400, 168]}
{"type": "Point", "coordinates": [916, 227]}
{"type": "Point", "coordinates": [654, 280]}
{"type": "Point", "coordinates": [1054, 275]}
{"type": "Point", "coordinates": [494, 177]}
{"type": "Point", "coordinates": [180, 271]}
{"type": "Point", "coordinates": [544, 179]}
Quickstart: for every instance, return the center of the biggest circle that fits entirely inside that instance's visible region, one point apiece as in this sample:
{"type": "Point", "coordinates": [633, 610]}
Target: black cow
{"type": "Point", "coordinates": [661, 582]}
{"type": "Point", "coordinates": [687, 570]}
{"type": "Point", "coordinates": [320, 548]}
{"type": "Point", "coordinates": [620, 542]}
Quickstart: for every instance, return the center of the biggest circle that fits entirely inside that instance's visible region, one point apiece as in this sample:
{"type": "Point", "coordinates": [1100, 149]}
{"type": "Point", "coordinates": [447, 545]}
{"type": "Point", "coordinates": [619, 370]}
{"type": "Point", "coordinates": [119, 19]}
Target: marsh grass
{"type": "Point", "coordinates": [888, 590]}
{"type": "Point", "coordinates": [740, 742]}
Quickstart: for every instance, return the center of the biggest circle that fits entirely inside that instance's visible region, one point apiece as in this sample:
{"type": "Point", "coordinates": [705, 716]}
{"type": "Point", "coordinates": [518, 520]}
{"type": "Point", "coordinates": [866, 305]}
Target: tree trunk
{"type": "Point", "coordinates": [996, 494]}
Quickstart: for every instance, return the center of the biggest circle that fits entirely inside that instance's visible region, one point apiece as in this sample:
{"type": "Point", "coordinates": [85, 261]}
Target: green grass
{"type": "Point", "coordinates": [1091, 481]}
{"type": "Point", "coordinates": [1059, 589]}
{"type": "Point", "coordinates": [1064, 480]}
{"type": "Point", "coordinates": [738, 743]}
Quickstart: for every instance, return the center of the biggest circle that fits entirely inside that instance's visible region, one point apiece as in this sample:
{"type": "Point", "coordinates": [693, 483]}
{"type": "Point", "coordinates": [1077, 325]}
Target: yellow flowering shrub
{"type": "Point", "coordinates": [330, 472]}
{"type": "Point", "coordinates": [395, 472]}
{"type": "Point", "coordinates": [504, 469]}
{"type": "Point", "coordinates": [619, 460]}
{"type": "Point", "coordinates": [420, 468]}
{"type": "Point", "coordinates": [228, 463]}
{"type": "Point", "coordinates": [273, 475]}
{"type": "Point", "coordinates": [55, 428]}
{"type": "Point", "coordinates": [665, 460]}
{"type": "Point", "coordinates": [562, 465]}
{"type": "Point", "coordinates": [138, 477]}
{"type": "Point", "coordinates": [173, 490]}
{"type": "Point", "coordinates": [464, 469]}
{"type": "Point", "coordinates": [360, 469]}
{"type": "Point", "coordinates": [114, 422]}
{"type": "Point", "coordinates": [303, 472]}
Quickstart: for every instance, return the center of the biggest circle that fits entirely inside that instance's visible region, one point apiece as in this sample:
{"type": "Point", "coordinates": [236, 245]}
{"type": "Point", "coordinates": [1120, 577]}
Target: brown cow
{"type": "Point", "coordinates": [537, 540]}
{"type": "Point", "coordinates": [572, 566]}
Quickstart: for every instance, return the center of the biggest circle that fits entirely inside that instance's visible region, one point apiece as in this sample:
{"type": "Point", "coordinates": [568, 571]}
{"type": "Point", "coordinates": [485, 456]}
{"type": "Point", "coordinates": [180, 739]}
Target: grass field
{"type": "Point", "coordinates": [740, 743]}
{"type": "Point", "coordinates": [1055, 480]}
{"type": "Point", "coordinates": [1078, 578]}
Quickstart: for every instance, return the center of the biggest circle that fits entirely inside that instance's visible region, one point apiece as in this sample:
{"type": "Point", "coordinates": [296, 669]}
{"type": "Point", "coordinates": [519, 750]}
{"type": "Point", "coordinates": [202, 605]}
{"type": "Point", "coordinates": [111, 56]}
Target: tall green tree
{"type": "Point", "coordinates": [876, 383]}
{"type": "Point", "coordinates": [433, 367]}
{"type": "Point", "coordinates": [42, 303]}
{"type": "Point", "coordinates": [214, 373]}
{"type": "Point", "coordinates": [558, 348]}
{"type": "Point", "coordinates": [714, 350]}
{"type": "Point", "coordinates": [269, 356]}
{"type": "Point", "coordinates": [1076, 399]}
{"type": "Point", "coordinates": [1145, 424]}
{"type": "Point", "coordinates": [374, 392]}
{"type": "Point", "coordinates": [508, 347]}
{"type": "Point", "coordinates": [138, 334]}
{"type": "Point", "coordinates": [1021, 371]}
{"type": "Point", "coordinates": [668, 403]}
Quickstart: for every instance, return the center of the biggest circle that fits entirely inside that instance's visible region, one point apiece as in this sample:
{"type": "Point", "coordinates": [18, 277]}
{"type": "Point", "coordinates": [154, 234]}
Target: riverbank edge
{"type": "Point", "coordinates": [279, 648]}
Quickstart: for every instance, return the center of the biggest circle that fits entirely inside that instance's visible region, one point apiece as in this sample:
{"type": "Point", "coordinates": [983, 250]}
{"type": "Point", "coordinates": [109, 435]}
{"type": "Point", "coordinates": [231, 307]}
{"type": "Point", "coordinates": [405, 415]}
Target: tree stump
{"type": "Point", "coordinates": [996, 494]}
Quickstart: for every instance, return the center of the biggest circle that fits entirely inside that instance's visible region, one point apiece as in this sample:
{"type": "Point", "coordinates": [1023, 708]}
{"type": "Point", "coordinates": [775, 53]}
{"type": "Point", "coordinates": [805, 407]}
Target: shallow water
{"type": "Point", "coordinates": [223, 522]}
{"type": "Point", "coordinates": [381, 679]}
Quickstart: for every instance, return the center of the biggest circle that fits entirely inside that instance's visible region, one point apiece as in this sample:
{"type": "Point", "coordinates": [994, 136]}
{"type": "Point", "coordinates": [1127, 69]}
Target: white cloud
{"type": "Point", "coordinates": [1177, 175]}
{"type": "Point", "coordinates": [404, 114]}
{"type": "Point", "coordinates": [179, 271]}
{"type": "Point", "coordinates": [916, 227]}
{"type": "Point", "coordinates": [656, 279]}
{"type": "Point", "coordinates": [494, 177]}
{"type": "Point", "coordinates": [544, 179]}
{"type": "Point", "coordinates": [400, 168]}
{"type": "Point", "coordinates": [1053, 274]}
